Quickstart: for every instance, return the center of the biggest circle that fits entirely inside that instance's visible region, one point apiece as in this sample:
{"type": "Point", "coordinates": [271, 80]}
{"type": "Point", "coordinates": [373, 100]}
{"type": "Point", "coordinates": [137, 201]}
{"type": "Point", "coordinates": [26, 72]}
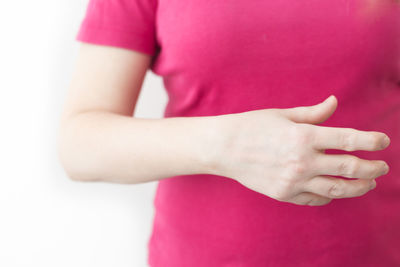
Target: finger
{"type": "Point", "coordinates": [309, 199]}
{"type": "Point", "coordinates": [338, 188]}
{"type": "Point", "coordinates": [348, 166]}
{"type": "Point", "coordinates": [348, 139]}
{"type": "Point", "coordinates": [313, 114]}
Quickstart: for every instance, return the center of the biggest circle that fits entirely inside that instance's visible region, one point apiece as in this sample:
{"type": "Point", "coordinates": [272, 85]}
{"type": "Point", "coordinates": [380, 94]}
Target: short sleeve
{"type": "Point", "coordinates": [128, 24]}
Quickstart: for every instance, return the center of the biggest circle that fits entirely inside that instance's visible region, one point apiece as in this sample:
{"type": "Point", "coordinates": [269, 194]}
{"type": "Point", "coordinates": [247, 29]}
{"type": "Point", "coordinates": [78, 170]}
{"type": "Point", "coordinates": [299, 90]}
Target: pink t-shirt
{"type": "Point", "coordinates": [220, 57]}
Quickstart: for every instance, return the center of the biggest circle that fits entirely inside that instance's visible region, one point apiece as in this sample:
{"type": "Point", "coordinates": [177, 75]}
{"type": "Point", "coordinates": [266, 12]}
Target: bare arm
{"type": "Point", "coordinates": [277, 152]}
{"type": "Point", "coordinates": [99, 140]}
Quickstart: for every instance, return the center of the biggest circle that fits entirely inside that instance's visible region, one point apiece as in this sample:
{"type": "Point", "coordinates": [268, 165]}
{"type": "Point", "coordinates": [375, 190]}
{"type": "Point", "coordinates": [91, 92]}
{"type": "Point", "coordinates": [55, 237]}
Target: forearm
{"type": "Point", "coordinates": [108, 147]}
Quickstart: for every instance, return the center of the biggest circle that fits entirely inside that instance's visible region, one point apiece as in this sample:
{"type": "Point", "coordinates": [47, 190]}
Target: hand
{"type": "Point", "coordinates": [281, 153]}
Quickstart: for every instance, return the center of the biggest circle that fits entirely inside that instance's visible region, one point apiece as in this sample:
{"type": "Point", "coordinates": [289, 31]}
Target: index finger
{"type": "Point", "coordinates": [348, 139]}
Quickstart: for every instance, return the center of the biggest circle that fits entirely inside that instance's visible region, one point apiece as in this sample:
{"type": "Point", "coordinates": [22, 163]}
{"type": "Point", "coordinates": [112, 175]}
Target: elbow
{"type": "Point", "coordinates": [71, 160]}
{"type": "Point", "coordinates": [68, 164]}
{"type": "Point", "coordinates": [73, 168]}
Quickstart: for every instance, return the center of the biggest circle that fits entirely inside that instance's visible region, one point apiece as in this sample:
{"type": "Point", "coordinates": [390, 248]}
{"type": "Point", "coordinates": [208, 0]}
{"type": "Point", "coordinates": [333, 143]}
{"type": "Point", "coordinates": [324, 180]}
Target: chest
{"type": "Point", "coordinates": [209, 35]}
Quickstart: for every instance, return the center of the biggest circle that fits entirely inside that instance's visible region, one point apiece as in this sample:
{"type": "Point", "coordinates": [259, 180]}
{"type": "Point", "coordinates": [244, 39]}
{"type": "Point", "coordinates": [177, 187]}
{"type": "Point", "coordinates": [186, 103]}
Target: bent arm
{"type": "Point", "coordinates": [99, 140]}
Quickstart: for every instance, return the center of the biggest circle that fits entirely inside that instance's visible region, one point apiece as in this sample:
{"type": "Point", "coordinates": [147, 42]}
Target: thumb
{"type": "Point", "coordinates": [312, 114]}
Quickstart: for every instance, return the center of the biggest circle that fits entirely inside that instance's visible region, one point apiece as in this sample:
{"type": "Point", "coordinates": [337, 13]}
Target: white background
{"type": "Point", "coordinates": [45, 218]}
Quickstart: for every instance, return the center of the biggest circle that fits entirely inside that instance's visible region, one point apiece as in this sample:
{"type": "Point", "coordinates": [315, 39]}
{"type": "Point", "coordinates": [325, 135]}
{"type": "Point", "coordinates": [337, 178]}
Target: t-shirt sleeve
{"type": "Point", "coordinates": [128, 24]}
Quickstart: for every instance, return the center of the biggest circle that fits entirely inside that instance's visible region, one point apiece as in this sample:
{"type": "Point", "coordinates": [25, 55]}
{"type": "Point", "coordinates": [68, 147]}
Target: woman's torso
{"type": "Point", "coordinates": [234, 56]}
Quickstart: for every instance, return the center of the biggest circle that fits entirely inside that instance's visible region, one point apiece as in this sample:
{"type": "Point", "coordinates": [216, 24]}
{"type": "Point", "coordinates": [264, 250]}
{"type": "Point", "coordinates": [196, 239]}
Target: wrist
{"type": "Point", "coordinates": [213, 149]}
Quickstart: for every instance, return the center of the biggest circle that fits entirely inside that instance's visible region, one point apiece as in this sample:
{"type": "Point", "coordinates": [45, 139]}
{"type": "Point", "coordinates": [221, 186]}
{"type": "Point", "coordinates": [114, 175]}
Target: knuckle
{"type": "Point", "coordinates": [349, 167]}
{"type": "Point", "coordinates": [301, 134]}
{"type": "Point", "coordinates": [354, 167]}
{"type": "Point", "coordinates": [296, 168]}
{"type": "Point", "coordinates": [347, 141]}
{"type": "Point", "coordinates": [284, 190]}
{"type": "Point", "coordinates": [296, 165]}
{"type": "Point", "coordinates": [336, 190]}
{"type": "Point", "coordinates": [343, 168]}
{"type": "Point", "coordinates": [279, 196]}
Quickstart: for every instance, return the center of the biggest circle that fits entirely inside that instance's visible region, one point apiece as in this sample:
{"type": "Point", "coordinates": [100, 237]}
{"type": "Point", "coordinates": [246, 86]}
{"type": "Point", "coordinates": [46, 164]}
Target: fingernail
{"type": "Point", "coordinates": [385, 141]}
{"type": "Point", "coordinates": [386, 169]}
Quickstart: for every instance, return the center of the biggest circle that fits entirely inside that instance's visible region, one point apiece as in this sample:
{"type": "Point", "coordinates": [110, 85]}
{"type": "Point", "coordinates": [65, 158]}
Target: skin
{"type": "Point", "coordinates": [280, 153]}
{"type": "Point", "coordinates": [98, 138]}
{"type": "Point", "coordinates": [276, 152]}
